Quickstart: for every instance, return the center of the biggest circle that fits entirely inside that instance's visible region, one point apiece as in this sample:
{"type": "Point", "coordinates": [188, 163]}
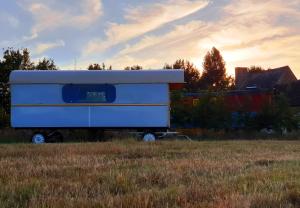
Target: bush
{"type": "Point", "coordinates": [211, 113]}
{"type": "Point", "coordinates": [5, 118]}
{"type": "Point", "coordinates": [180, 114]}
{"type": "Point", "coordinates": [276, 115]}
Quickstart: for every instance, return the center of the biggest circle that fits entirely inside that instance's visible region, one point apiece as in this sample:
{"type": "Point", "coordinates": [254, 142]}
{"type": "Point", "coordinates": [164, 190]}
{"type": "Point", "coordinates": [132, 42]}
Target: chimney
{"type": "Point", "coordinates": [240, 77]}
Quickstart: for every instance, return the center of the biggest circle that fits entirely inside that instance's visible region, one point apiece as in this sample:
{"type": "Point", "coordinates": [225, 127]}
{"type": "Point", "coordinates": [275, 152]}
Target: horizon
{"type": "Point", "coordinates": [78, 33]}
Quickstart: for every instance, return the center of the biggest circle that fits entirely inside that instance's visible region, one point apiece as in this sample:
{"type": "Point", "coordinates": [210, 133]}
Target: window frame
{"type": "Point", "coordinates": [77, 93]}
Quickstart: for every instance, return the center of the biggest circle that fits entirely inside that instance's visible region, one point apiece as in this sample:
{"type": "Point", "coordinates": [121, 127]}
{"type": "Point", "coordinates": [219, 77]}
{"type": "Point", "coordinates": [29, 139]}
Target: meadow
{"type": "Point", "coordinates": [259, 173]}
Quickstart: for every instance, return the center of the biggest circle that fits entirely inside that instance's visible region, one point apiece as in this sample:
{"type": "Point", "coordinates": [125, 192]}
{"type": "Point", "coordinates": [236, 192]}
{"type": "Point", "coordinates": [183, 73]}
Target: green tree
{"type": "Point", "coordinates": [181, 115]}
{"type": "Point", "coordinates": [26, 63]}
{"type": "Point", "coordinates": [214, 72]}
{"type": "Point", "coordinates": [191, 73]}
{"type": "Point", "coordinates": [211, 113]}
{"type": "Point", "coordinates": [255, 69]}
{"type": "Point", "coordinates": [134, 67]}
{"type": "Point", "coordinates": [12, 60]}
{"type": "Point", "coordinates": [179, 64]}
{"type": "Point", "coordinates": [97, 66]}
{"type": "Point", "coordinates": [276, 115]}
{"type": "Point", "coordinates": [167, 66]}
{"type": "Point", "coordinates": [46, 64]}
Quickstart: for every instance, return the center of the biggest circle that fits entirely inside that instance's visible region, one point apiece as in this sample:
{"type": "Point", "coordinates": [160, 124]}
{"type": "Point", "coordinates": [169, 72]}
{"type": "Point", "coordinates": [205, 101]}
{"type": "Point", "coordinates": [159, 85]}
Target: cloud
{"type": "Point", "coordinates": [249, 32]}
{"type": "Point", "coordinates": [6, 18]}
{"type": "Point", "coordinates": [143, 19]}
{"type": "Point", "coordinates": [175, 38]}
{"type": "Point", "coordinates": [49, 16]}
{"type": "Point", "coordinates": [42, 47]}
{"type": "Point", "coordinates": [153, 51]}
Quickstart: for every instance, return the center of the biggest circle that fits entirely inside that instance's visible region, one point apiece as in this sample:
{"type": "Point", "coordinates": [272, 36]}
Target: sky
{"type": "Point", "coordinates": [76, 33]}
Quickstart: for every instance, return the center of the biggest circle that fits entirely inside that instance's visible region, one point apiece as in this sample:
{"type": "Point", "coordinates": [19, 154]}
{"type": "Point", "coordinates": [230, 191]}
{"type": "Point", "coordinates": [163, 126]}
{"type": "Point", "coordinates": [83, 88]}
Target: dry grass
{"type": "Point", "coordinates": [161, 174]}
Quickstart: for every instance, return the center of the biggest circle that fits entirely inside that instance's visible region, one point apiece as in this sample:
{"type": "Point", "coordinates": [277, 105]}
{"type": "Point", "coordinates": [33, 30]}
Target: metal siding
{"type": "Point", "coordinates": [126, 93]}
{"type": "Point", "coordinates": [96, 76]}
{"type": "Point", "coordinates": [106, 116]}
{"type": "Point", "coordinates": [36, 94]}
{"type": "Point", "coordinates": [142, 93]}
{"type": "Point", "coordinates": [129, 116]}
{"type": "Point", "coordinates": [49, 117]}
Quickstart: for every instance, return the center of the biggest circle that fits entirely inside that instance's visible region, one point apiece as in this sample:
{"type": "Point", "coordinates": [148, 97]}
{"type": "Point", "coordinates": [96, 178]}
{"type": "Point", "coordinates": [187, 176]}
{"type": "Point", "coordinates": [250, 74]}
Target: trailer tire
{"type": "Point", "coordinates": [149, 137]}
{"type": "Point", "coordinates": [38, 138]}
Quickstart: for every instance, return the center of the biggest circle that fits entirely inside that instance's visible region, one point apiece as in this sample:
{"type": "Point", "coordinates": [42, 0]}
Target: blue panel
{"type": "Point", "coordinates": [130, 116]}
{"type": "Point", "coordinates": [104, 116]}
{"type": "Point", "coordinates": [36, 94]}
{"type": "Point", "coordinates": [89, 93]}
{"type": "Point", "coordinates": [85, 116]}
{"type": "Point", "coordinates": [50, 117]}
{"type": "Point", "coordinates": [142, 93]}
{"type": "Point", "coordinates": [125, 93]}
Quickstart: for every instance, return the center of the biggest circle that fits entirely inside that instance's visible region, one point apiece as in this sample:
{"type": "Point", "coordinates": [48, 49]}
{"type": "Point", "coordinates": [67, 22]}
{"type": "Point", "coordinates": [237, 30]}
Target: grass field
{"type": "Point", "coordinates": [161, 174]}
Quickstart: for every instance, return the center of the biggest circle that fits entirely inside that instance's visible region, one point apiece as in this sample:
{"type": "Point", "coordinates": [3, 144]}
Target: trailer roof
{"type": "Point", "coordinates": [95, 77]}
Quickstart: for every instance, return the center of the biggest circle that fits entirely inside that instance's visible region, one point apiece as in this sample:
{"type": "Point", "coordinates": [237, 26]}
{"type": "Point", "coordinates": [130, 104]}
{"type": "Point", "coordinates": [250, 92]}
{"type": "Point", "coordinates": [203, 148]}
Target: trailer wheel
{"type": "Point", "coordinates": [38, 138]}
{"type": "Point", "coordinates": [149, 137]}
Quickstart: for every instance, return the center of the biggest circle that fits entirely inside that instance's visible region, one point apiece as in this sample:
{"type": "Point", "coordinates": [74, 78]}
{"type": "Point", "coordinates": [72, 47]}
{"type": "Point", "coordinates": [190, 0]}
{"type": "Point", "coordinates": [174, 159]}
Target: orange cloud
{"type": "Point", "coordinates": [250, 32]}
{"type": "Point", "coordinates": [144, 19]}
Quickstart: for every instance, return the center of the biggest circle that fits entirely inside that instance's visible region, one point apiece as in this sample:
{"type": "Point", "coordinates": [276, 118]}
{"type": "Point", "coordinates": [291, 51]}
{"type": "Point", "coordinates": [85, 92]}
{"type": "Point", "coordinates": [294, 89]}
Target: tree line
{"type": "Point", "coordinates": [17, 60]}
{"type": "Point", "coordinates": [210, 112]}
{"type": "Point", "coordinates": [213, 77]}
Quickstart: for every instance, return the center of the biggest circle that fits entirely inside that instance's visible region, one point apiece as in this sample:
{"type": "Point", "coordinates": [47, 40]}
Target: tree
{"type": "Point", "coordinates": [191, 73]}
{"type": "Point", "coordinates": [181, 115]}
{"type": "Point", "coordinates": [134, 67]}
{"type": "Point", "coordinates": [255, 69]}
{"type": "Point", "coordinates": [179, 64]}
{"type": "Point", "coordinates": [227, 83]}
{"type": "Point", "coordinates": [26, 63]}
{"type": "Point", "coordinates": [211, 112]}
{"type": "Point", "coordinates": [46, 64]}
{"type": "Point", "coordinates": [99, 67]}
{"type": "Point", "coordinates": [12, 60]}
{"type": "Point", "coordinates": [168, 66]}
{"type": "Point", "coordinates": [94, 67]}
{"type": "Point", "coordinates": [276, 115]}
{"type": "Point", "coordinates": [214, 72]}
{"type": "Point", "coordinates": [191, 76]}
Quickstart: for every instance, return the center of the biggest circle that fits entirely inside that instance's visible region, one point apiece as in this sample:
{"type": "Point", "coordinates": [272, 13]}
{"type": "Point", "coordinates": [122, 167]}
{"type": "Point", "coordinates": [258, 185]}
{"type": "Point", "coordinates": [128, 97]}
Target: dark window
{"type": "Point", "coordinates": [89, 93]}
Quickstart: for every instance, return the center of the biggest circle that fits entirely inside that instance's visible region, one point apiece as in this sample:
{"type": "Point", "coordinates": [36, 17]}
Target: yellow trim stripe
{"type": "Point", "coordinates": [83, 104]}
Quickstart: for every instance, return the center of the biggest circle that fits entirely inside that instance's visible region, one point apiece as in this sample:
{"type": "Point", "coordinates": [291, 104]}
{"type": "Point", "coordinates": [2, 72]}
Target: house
{"type": "Point", "coordinates": [267, 79]}
{"type": "Point", "coordinates": [281, 79]}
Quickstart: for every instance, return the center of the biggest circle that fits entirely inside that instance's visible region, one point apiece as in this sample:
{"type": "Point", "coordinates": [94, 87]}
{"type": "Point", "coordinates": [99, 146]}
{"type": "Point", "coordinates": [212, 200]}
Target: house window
{"type": "Point", "coordinates": [88, 93]}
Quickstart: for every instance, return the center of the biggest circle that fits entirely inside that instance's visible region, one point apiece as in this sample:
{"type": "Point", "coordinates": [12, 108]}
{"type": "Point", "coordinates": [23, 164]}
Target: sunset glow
{"type": "Point", "coordinates": [152, 33]}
